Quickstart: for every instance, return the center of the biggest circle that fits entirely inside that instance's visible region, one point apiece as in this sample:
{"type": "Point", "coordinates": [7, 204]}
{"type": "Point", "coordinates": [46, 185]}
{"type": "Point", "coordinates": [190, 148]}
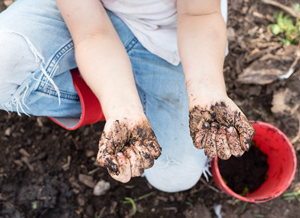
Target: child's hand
{"type": "Point", "coordinates": [127, 147]}
{"type": "Point", "coordinates": [220, 127]}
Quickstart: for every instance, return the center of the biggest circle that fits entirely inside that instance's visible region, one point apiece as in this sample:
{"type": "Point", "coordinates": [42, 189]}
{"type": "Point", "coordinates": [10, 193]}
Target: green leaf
{"type": "Point", "coordinates": [296, 7]}
{"type": "Point", "coordinates": [290, 198]}
{"type": "Point", "coordinates": [285, 41]}
{"type": "Point", "coordinates": [280, 19]}
{"type": "Point", "coordinates": [287, 21]}
{"type": "Point", "coordinates": [144, 196]}
{"type": "Point", "coordinates": [289, 194]}
{"type": "Point", "coordinates": [133, 205]}
{"type": "Point", "coordinates": [275, 16]}
{"type": "Point", "coordinates": [258, 215]}
{"type": "Point", "coordinates": [275, 28]}
{"type": "Point", "coordinates": [244, 206]}
{"type": "Point", "coordinates": [34, 205]}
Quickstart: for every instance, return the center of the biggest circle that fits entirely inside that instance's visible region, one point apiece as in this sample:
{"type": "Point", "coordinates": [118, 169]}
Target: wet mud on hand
{"type": "Point", "coordinates": [210, 124]}
{"type": "Point", "coordinates": [127, 147]}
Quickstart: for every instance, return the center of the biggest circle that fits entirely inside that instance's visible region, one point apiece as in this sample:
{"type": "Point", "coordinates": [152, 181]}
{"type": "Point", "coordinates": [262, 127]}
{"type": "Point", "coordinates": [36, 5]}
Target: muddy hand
{"type": "Point", "coordinates": [127, 147]}
{"type": "Point", "coordinates": [221, 129]}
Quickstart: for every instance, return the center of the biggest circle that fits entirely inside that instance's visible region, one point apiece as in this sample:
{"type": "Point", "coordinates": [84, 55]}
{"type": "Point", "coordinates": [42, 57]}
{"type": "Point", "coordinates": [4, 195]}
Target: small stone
{"type": "Point", "coordinates": [7, 131]}
{"type": "Point", "coordinates": [89, 153]}
{"type": "Point", "coordinates": [81, 200]}
{"type": "Point", "coordinates": [101, 188]}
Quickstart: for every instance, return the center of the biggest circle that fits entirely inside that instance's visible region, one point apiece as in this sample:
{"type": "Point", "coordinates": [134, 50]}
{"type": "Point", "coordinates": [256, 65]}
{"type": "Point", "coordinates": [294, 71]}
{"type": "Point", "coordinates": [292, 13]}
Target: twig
{"type": "Point", "coordinates": [102, 211]}
{"type": "Point", "coordinates": [94, 170]}
{"type": "Point", "coordinates": [292, 67]}
{"type": "Point", "coordinates": [289, 10]}
{"type": "Point", "coordinates": [209, 186]}
{"type": "Point", "coordinates": [297, 137]}
{"type": "Point", "coordinates": [171, 208]}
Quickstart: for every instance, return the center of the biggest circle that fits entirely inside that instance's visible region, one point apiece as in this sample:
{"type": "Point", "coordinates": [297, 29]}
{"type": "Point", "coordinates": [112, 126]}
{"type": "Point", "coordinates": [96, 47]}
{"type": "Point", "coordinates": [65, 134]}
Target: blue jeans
{"type": "Point", "coordinates": [36, 56]}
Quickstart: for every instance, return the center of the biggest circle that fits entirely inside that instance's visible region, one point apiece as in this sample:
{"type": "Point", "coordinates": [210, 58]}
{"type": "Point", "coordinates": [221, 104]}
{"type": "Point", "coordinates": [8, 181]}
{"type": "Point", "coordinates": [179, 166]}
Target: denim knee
{"type": "Point", "coordinates": [174, 176]}
{"type": "Point", "coordinates": [18, 59]}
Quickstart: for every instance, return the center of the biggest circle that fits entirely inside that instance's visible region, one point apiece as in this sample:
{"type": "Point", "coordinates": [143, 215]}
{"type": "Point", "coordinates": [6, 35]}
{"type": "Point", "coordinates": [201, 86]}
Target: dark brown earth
{"type": "Point", "coordinates": [46, 171]}
{"type": "Point", "coordinates": [245, 173]}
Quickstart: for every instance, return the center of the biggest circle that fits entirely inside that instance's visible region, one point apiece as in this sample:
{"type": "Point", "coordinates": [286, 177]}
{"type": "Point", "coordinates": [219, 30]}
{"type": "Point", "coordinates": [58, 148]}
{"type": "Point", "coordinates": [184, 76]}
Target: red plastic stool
{"type": "Point", "coordinates": [91, 108]}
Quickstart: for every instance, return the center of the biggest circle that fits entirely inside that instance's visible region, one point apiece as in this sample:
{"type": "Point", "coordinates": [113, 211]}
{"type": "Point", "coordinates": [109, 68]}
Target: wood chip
{"type": "Point", "coordinates": [86, 180]}
{"type": "Point", "coordinates": [66, 166]}
{"type": "Point", "coordinates": [26, 161]}
{"type": "Point", "coordinates": [19, 163]}
{"type": "Point", "coordinates": [161, 198]}
{"type": "Point", "coordinates": [24, 152]}
{"type": "Point", "coordinates": [113, 207]}
{"type": "Point", "coordinates": [39, 121]}
{"type": "Point", "coordinates": [279, 103]}
{"type": "Point", "coordinates": [230, 34]}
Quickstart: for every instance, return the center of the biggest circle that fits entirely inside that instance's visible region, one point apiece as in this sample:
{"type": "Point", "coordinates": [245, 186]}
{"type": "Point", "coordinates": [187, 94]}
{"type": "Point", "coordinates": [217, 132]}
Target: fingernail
{"type": "Point", "coordinates": [247, 146]}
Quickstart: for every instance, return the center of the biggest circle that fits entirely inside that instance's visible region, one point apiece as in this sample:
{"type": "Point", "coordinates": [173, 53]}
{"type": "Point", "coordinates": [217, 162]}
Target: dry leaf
{"type": "Point", "coordinates": [279, 103]}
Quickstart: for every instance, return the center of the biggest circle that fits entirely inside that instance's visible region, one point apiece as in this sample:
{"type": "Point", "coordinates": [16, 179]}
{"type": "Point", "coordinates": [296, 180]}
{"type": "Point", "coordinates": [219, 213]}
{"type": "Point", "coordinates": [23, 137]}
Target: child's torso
{"type": "Point", "coordinates": [154, 23]}
{"type": "Point", "coordinates": [154, 13]}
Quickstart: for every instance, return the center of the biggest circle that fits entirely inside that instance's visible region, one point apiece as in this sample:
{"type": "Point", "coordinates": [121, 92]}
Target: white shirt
{"type": "Point", "coordinates": [154, 23]}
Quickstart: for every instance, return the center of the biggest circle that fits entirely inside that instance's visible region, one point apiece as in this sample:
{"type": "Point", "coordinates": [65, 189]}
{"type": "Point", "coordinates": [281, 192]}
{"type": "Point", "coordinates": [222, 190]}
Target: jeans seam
{"type": "Point", "coordinates": [145, 103]}
{"type": "Point", "coordinates": [53, 63]}
{"type": "Point", "coordinates": [131, 44]}
{"type": "Point", "coordinates": [63, 95]}
{"type": "Point", "coordinates": [44, 86]}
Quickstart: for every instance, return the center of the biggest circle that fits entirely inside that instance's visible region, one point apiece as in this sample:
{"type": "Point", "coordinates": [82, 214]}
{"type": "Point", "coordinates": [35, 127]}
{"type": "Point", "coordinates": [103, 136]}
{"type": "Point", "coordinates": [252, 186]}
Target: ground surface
{"type": "Point", "coordinates": [37, 181]}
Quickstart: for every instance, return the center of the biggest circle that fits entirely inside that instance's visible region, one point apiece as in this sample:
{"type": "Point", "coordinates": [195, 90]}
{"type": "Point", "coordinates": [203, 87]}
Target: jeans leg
{"type": "Point", "coordinates": [41, 84]}
{"type": "Point", "coordinates": [163, 94]}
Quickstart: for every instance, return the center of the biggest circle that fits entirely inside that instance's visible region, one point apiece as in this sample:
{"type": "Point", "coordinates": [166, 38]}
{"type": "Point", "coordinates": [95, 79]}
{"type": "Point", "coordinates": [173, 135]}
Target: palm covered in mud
{"type": "Point", "coordinates": [221, 129]}
{"type": "Point", "coordinates": [127, 147]}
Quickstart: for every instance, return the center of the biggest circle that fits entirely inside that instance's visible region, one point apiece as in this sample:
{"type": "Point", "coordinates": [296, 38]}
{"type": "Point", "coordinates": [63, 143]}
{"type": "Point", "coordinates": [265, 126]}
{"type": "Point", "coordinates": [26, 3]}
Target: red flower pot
{"type": "Point", "coordinates": [282, 165]}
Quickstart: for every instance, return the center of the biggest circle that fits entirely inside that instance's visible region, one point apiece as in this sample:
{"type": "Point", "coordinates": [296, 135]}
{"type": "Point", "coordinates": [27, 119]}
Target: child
{"type": "Point", "coordinates": [128, 56]}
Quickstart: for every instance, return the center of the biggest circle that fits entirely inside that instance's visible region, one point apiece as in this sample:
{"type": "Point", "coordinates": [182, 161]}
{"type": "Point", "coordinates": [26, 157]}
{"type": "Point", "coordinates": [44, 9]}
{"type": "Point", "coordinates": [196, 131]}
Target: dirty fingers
{"type": "Point", "coordinates": [220, 130]}
{"type": "Point", "coordinates": [127, 148]}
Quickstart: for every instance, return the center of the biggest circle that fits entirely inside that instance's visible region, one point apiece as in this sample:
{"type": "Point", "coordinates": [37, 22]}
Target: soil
{"type": "Point", "coordinates": [47, 171]}
{"type": "Point", "coordinates": [246, 173]}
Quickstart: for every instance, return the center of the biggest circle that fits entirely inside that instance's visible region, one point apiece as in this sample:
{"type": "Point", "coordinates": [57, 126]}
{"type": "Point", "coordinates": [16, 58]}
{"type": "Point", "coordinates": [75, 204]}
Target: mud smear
{"type": "Point", "coordinates": [137, 143]}
{"type": "Point", "coordinates": [205, 125]}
